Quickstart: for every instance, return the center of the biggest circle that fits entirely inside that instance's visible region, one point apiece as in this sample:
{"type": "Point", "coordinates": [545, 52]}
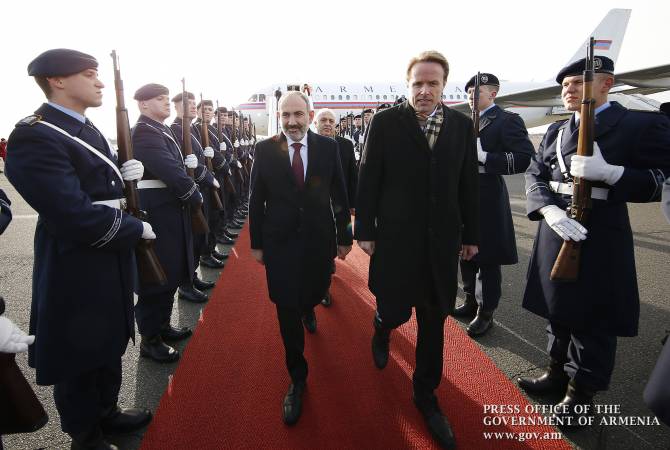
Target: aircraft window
{"type": "Point", "coordinates": [339, 97]}
{"type": "Point", "coordinates": [347, 97]}
{"type": "Point", "coordinates": [451, 97]}
{"type": "Point", "coordinates": [444, 97]}
{"type": "Point", "coordinates": [384, 97]}
{"type": "Point", "coordinates": [332, 97]}
{"type": "Point", "coordinates": [458, 97]}
{"type": "Point", "coordinates": [254, 98]}
{"type": "Point", "coordinates": [370, 97]}
{"type": "Point", "coordinates": [355, 96]}
{"type": "Point", "coordinates": [377, 96]}
{"type": "Point", "coordinates": [261, 97]}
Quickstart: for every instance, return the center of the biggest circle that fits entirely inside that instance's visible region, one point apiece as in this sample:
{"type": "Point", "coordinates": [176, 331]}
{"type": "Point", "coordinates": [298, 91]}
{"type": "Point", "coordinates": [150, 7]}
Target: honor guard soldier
{"type": "Point", "coordinates": [503, 148]}
{"type": "Point", "coordinates": [192, 291]}
{"type": "Point", "coordinates": [82, 306]}
{"type": "Point", "coordinates": [166, 194]}
{"type": "Point", "coordinates": [210, 257]}
{"type": "Point", "coordinates": [225, 176]}
{"type": "Point", "coordinates": [629, 164]}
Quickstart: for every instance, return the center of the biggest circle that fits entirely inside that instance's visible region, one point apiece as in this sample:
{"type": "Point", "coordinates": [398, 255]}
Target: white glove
{"type": "Point", "coordinates": [222, 146]}
{"type": "Point", "coordinates": [147, 231]}
{"type": "Point", "coordinates": [236, 144]}
{"type": "Point", "coordinates": [216, 184]}
{"type": "Point", "coordinates": [361, 139]}
{"type": "Point", "coordinates": [595, 168]}
{"type": "Point", "coordinates": [568, 229]}
{"type": "Point", "coordinates": [209, 152]}
{"type": "Point", "coordinates": [132, 170]}
{"type": "Point", "coordinates": [191, 161]}
{"type": "Point", "coordinates": [481, 154]}
{"type": "Point", "coordinates": [12, 339]}
{"type": "Point", "coordinates": [357, 155]}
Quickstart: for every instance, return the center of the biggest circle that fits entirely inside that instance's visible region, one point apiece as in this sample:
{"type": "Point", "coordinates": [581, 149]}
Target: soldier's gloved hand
{"type": "Point", "coordinates": [209, 152]}
{"type": "Point", "coordinates": [481, 154]}
{"type": "Point", "coordinates": [191, 161]}
{"type": "Point", "coordinates": [361, 139]}
{"type": "Point", "coordinates": [595, 168]}
{"type": "Point", "coordinates": [222, 146]}
{"type": "Point", "coordinates": [147, 231]}
{"type": "Point", "coordinates": [568, 229]}
{"type": "Point", "coordinates": [132, 170]}
{"type": "Point", "coordinates": [236, 144]}
{"type": "Point", "coordinates": [216, 183]}
{"type": "Point", "coordinates": [12, 339]}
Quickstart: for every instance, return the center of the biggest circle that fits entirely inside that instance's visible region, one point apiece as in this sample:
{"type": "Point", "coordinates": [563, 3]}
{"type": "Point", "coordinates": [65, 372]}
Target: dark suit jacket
{"type": "Point", "coordinates": [604, 299]}
{"type": "Point", "coordinates": [348, 168]}
{"type": "Point", "coordinates": [418, 205]}
{"type": "Point", "coordinates": [295, 228]}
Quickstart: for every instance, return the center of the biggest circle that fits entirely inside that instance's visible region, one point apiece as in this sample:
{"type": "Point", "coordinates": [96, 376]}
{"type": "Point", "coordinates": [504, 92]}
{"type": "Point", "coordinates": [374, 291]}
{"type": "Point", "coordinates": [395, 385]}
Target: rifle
{"type": "Point", "coordinates": [204, 130]}
{"type": "Point", "coordinates": [475, 107]}
{"type": "Point", "coordinates": [234, 139]}
{"type": "Point", "coordinates": [245, 150]}
{"type": "Point", "coordinates": [566, 266]}
{"type": "Point", "coordinates": [148, 264]}
{"type": "Point", "coordinates": [198, 220]}
{"type": "Point", "coordinates": [228, 184]}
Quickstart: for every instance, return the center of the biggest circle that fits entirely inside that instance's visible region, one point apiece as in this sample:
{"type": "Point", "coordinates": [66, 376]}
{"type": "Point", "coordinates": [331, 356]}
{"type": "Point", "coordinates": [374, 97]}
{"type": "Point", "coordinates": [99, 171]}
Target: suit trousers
{"type": "Point", "coordinates": [84, 399]}
{"type": "Point", "coordinates": [429, 349]}
{"type": "Point", "coordinates": [483, 281]}
{"type": "Point", "coordinates": [587, 358]}
{"type": "Point", "coordinates": [293, 337]}
{"type": "Point", "coordinates": [152, 312]}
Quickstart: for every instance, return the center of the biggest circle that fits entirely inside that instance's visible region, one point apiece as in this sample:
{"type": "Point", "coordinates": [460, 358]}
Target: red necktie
{"type": "Point", "coordinates": [296, 165]}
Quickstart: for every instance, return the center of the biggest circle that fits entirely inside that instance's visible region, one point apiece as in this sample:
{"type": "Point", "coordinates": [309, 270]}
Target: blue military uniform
{"type": "Point", "coordinates": [604, 302]}
{"type": "Point", "coordinates": [504, 137]}
{"type": "Point", "coordinates": [166, 193]}
{"type": "Point", "coordinates": [84, 272]}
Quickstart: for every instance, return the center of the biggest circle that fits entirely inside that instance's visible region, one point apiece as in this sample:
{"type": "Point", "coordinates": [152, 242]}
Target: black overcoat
{"type": "Point", "coordinates": [349, 168]}
{"type": "Point", "coordinates": [418, 205]}
{"type": "Point", "coordinates": [604, 300]}
{"type": "Point", "coordinates": [298, 230]}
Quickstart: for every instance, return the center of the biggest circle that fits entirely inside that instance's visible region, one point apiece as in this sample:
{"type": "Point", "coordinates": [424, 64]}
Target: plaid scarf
{"type": "Point", "coordinates": [433, 126]}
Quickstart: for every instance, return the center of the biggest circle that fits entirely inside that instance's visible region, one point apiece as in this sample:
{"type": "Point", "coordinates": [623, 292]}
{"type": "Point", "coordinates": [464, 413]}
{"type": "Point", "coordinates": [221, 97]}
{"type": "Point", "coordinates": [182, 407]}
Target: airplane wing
{"type": "Point", "coordinates": [643, 81]}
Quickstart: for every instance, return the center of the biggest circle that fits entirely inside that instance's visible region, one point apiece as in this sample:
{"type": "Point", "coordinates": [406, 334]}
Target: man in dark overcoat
{"type": "Point", "coordinates": [84, 272]}
{"type": "Point", "coordinates": [629, 164]}
{"type": "Point", "coordinates": [503, 148]}
{"type": "Point", "coordinates": [299, 220]}
{"type": "Point", "coordinates": [416, 210]}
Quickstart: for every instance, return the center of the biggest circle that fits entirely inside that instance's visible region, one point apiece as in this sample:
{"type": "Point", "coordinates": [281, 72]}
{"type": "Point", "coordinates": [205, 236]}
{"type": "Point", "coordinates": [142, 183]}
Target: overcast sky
{"type": "Point", "coordinates": [231, 49]}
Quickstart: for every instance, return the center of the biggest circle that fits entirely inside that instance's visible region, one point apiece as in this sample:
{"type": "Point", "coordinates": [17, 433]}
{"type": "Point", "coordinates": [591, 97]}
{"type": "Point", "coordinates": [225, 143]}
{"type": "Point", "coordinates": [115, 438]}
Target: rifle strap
{"type": "Point", "coordinates": [559, 154]}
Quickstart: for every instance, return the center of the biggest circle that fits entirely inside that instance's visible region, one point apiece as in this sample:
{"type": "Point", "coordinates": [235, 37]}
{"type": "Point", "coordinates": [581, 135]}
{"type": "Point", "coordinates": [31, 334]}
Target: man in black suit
{"type": "Point", "coordinates": [325, 126]}
{"type": "Point", "coordinates": [503, 148]}
{"type": "Point", "coordinates": [417, 209]}
{"type": "Point", "coordinates": [296, 187]}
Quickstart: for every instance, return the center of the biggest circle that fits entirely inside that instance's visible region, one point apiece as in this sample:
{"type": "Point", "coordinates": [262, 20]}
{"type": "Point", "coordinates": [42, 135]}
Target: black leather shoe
{"type": "Point", "coordinates": [437, 423]}
{"type": "Point", "coordinates": [224, 240]}
{"type": "Point", "coordinates": [236, 224]}
{"type": "Point", "coordinates": [202, 285]}
{"type": "Point", "coordinates": [91, 440]}
{"type": "Point", "coordinates": [309, 320]}
{"type": "Point", "coordinates": [232, 234]}
{"type": "Point", "coordinates": [220, 256]}
{"type": "Point", "coordinates": [380, 345]}
{"type": "Point", "coordinates": [125, 420]}
{"type": "Point", "coordinates": [578, 402]}
{"type": "Point", "coordinates": [154, 348]}
{"type": "Point", "coordinates": [293, 403]}
{"type": "Point", "coordinates": [191, 294]}
{"type": "Point", "coordinates": [552, 380]}
{"type": "Point", "coordinates": [468, 308]}
{"type": "Point", "coordinates": [481, 324]}
{"type": "Point", "coordinates": [211, 262]}
{"type": "Point", "coordinates": [172, 334]}
{"type": "Point", "coordinates": [327, 300]}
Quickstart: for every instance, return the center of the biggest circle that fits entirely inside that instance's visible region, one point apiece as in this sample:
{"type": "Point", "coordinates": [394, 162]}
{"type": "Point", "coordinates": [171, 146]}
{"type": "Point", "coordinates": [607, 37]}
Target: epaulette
{"type": "Point", "coordinates": [646, 111]}
{"type": "Point", "coordinates": [29, 121]}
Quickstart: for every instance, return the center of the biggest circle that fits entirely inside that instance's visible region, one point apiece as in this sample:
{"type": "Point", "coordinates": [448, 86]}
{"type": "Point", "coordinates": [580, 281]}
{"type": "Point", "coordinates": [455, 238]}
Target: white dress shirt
{"type": "Point", "coordinates": [303, 152]}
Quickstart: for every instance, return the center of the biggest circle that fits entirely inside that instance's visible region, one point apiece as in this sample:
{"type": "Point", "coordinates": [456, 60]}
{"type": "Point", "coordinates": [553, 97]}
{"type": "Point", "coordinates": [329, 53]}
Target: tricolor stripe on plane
{"type": "Point", "coordinates": [332, 105]}
{"type": "Point", "coordinates": [602, 44]}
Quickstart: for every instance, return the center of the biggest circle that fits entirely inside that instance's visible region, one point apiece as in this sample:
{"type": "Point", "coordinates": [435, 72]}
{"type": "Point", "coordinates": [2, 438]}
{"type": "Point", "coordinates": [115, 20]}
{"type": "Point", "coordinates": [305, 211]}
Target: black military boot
{"type": "Point", "coordinates": [380, 344]}
{"type": "Point", "coordinates": [220, 256]}
{"type": "Point", "coordinates": [468, 308]}
{"type": "Point", "coordinates": [191, 294]}
{"type": "Point", "coordinates": [577, 403]}
{"type": "Point", "coordinates": [481, 324]}
{"type": "Point", "coordinates": [155, 348]}
{"type": "Point", "coordinates": [172, 334]}
{"type": "Point", "coordinates": [224, 239]}
{"type": "Point", "coordinates": [202, 285]}
{"type": "Point", "coordinates": [125, 420]}
{"type": "Point", "coordinates": [211, 262]}
{"type": "Point", "coordinates": [552, 380]}
{"type": "Point", "coordinates": [91, 440]}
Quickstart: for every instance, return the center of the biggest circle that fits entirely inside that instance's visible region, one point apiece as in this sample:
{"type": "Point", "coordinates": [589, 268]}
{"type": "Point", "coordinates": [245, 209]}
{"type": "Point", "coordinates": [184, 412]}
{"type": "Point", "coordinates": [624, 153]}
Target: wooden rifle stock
{"type": "Point", "coordinates": [148, 265]}
{"type": "Point", "coordinates": [566, 266]}
{"type": "Point", "coordinates": [198, 220]}
{"type": "Point", "coordinates": [204, 131]}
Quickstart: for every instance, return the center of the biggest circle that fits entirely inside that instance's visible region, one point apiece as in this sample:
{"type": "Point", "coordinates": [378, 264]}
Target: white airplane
{"type": "Point", "coordinates": [538, 103]}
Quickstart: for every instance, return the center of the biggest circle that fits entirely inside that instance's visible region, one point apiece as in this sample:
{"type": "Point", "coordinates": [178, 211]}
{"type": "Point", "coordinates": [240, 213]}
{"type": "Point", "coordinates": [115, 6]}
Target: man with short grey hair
{"type": "Point", "coordinates": [297, 201]}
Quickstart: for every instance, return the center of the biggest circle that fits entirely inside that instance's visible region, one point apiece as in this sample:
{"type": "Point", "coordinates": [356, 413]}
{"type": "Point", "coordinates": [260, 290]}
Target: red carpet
{"type": "Point", "coordinates": [228, 389]}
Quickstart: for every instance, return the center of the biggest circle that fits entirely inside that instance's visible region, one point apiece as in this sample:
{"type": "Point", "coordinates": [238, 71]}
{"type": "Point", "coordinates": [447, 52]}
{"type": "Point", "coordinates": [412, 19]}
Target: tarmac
{"type": "Point", "coordinates": [517, 342]}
